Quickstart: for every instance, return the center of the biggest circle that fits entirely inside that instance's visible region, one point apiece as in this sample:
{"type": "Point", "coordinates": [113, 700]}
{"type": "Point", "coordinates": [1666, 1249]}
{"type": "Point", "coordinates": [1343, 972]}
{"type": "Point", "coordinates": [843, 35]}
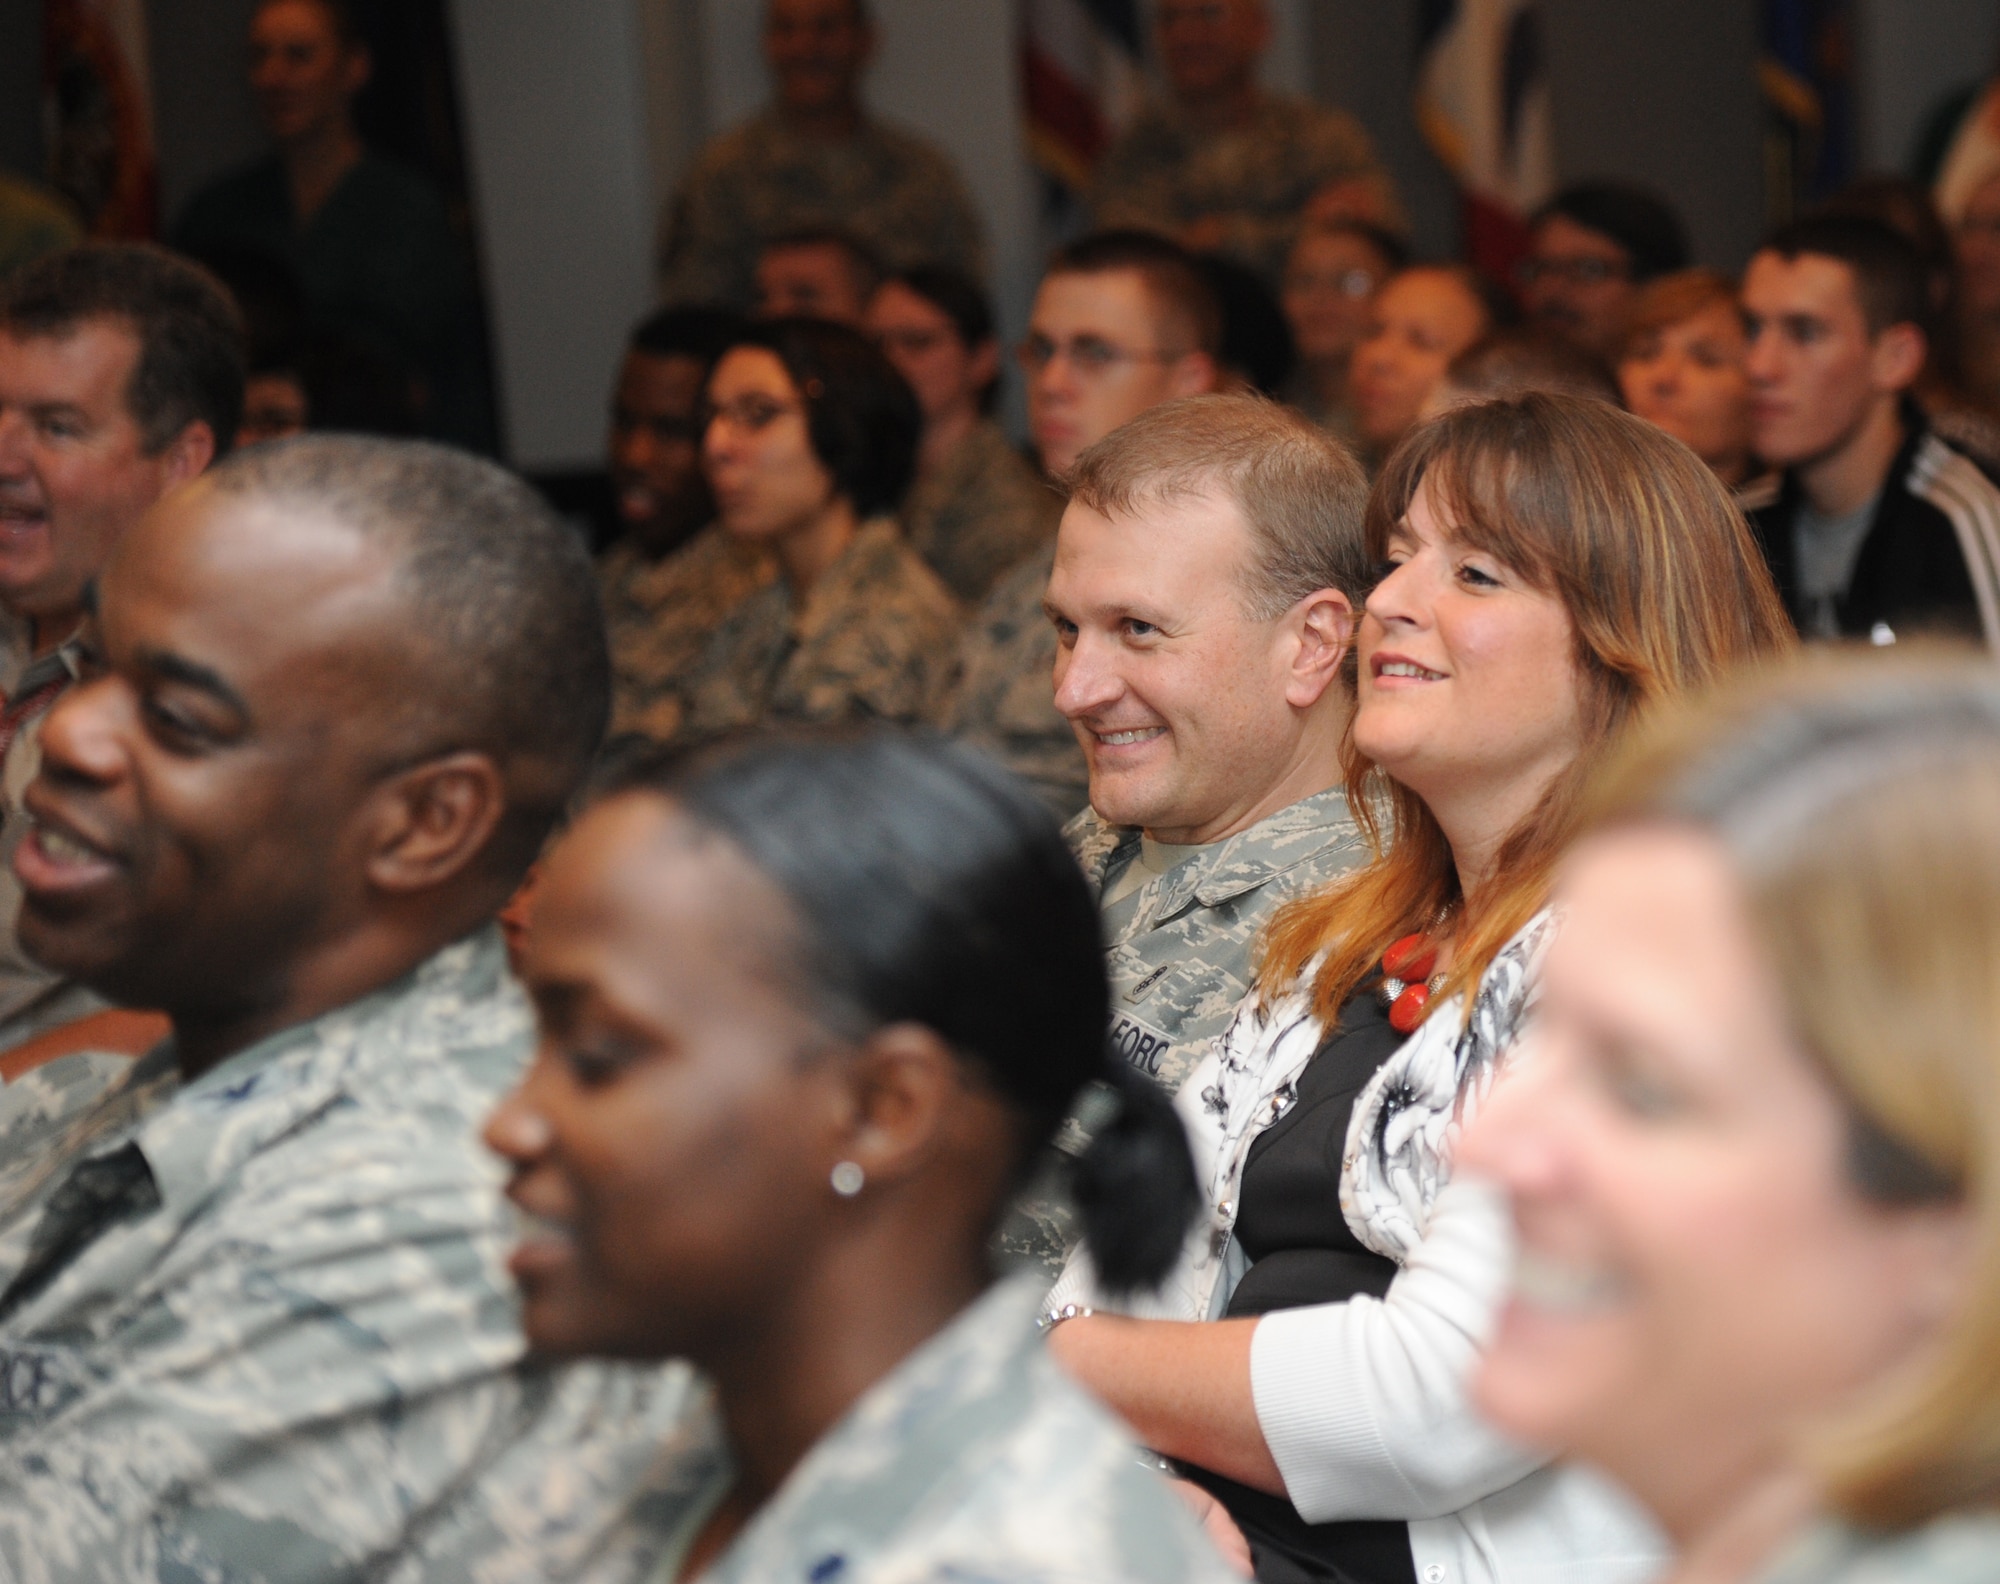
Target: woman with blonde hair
{"type": "Point", "coordinates": [1755, 1167]}
{"type": "Point", "coordinates": [1553, 568]}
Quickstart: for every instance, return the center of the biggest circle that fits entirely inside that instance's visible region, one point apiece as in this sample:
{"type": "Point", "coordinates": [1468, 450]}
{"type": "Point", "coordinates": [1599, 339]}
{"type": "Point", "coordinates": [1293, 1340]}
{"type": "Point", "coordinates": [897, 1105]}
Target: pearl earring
{"type": "Point", "coordinates": [848, 1178]}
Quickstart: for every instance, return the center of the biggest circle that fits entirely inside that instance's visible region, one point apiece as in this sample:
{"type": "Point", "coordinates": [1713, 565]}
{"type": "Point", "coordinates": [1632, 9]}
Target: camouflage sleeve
{"type": "Point", "coordinates": [313, 1367]}
{"type": "Point", "coordinates": [1133, 188]}
{"type": "Point", "coordinates": [709, 246]}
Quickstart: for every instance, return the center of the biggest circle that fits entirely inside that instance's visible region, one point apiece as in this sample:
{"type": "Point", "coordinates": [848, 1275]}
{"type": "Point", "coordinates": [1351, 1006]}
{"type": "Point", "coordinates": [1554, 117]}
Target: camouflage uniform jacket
{"type": "Point", "coordinates": [256, 1327]}
{"type": "Point", "coordinates": [870, 640]}
{"type": "Point", "coordinates": [1179, 955]}
{"type": "Point", "coordinates": [1165, 174]}
{"type": "Point", "coordinates": [974, 1459]}
{"type": "Point", "coordinates": [754, 183]}
{"type": "Point", "coordinates": [660, 615]}
{"type": "Point", "coordinates": [982, 513]}
{"type": "Point", "coordinates": [1003, 697]}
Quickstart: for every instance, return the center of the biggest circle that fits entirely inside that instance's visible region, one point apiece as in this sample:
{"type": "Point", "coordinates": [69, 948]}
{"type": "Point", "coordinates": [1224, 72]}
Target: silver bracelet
{"type": "Point", "coordinates": [1055, 1317]}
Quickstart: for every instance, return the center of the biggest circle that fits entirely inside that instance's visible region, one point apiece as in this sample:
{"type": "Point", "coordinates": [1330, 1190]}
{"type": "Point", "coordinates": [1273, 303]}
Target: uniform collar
{"type": "Point", "coordinates": [1221, 870]}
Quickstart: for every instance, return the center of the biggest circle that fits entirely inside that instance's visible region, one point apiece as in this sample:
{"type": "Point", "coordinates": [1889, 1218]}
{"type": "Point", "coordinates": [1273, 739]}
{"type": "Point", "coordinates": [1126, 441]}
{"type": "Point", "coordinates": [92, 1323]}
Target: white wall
{"type": "Point", "coordinates": [557, 131]}
{"type": "Point", "coordinates": [1912, 53]}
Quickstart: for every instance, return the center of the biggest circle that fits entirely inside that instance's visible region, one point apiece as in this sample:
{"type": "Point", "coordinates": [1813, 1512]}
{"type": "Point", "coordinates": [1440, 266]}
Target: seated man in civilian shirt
{"type": "Point", "coordinates": [254, 1320]}
{"type": "Point", "coordinates": [1881, 530]}
{"type": "Point", "coordinates": [1207, 578]}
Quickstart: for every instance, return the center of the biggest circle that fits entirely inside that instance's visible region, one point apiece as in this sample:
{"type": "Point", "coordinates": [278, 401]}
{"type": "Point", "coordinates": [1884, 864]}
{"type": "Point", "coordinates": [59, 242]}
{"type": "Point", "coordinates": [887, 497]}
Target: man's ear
{"type": "Point", "coordinates": [1194, 374]}
{"type": "Point", "coordinates": [1324, 624]}
{"type": "Point", "coordinates": [189, 453]}
{"type": "Point", "coordinates": [1898, 357]}
{"type": "Point", "coordinates": [433, 821]}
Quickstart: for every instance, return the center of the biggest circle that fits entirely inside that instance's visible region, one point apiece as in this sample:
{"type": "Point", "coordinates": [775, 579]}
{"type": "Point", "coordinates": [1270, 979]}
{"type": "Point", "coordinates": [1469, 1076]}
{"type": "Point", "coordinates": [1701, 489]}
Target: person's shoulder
{"type": "Point", "coordinates": [751, 142]}
{"type": "Point", "coordinates": [889, 573]}
{"type": "Point", "coordinates": [1309, 841]}
{"type": "Point", "coordinates": [907, 146]}
{"type": "Point", "coordinates": [1961, 1548]}
{"type": "Point", "coordinates": [1063, 1495]}
{"type": "Point", "coordinates": [251, 187]}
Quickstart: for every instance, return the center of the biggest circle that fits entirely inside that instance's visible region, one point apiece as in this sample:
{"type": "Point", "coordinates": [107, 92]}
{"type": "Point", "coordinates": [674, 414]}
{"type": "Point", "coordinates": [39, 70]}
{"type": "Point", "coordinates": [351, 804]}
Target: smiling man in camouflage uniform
{"type": "Point", "coordinates": [1207, 577]}
{"type": "Point", "coordinates": [254, 1318]}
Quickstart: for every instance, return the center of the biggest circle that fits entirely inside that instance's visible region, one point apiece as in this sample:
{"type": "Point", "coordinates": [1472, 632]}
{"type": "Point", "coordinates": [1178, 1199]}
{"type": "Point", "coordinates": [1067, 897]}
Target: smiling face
{"type": "Point", "coordinates": [1209, 47]}
{"type": "Point", "coordinates": [1816, 372]}
{"type": "Point", "coordinates": [1469, 685]}
{"type": "Point", "coordinates": [768, 480]}
{"type": "Point", "coordinates": [74, 469]}
{"type": "Point", "coordinates": [1696, 1276]}
{"type": "Point", "coordinates": [1188, 707]}
{"type": "Point", "coordinates": [1688, 379]}
{"type": "Point", "coordinates": [1417, 324]}
{"type": "Point", "coordinates": [816, 50]}
{"type": "Point", "coordinates": [656, 476]}
{"type": "Point", "coordinates": [302, 74]}
{"type": "Point", "coordinates": [673, 1138]}
{"type": "Point", "coordinates": [197, 814]}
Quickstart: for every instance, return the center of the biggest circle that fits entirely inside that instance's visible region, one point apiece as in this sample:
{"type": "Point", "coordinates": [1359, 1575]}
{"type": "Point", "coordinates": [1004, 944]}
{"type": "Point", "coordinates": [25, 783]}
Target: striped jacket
{"type": "Point", "coordinates": [1931, 560]}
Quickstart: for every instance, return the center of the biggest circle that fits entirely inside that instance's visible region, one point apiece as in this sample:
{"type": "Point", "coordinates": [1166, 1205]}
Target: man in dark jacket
{"type": "Point", "coordinates": [1880, 528]}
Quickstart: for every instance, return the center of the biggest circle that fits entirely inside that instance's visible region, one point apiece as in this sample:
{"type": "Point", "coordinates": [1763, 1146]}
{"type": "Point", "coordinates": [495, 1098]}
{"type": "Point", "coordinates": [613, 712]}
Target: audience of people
{"type": "Point", "coordinates": [1751, 1165]}
{"type": "Point", "coordinates": [1136, 1007]}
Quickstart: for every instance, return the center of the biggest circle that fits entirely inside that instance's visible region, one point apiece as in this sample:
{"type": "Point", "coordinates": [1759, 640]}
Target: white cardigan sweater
{"type": "Point", "coordinates": [1364, 1403]}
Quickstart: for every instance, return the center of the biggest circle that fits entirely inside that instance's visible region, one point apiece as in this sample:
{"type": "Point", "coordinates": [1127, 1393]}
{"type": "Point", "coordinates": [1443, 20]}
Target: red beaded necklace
{"type": "Point", "coordinates": [1407, 981]}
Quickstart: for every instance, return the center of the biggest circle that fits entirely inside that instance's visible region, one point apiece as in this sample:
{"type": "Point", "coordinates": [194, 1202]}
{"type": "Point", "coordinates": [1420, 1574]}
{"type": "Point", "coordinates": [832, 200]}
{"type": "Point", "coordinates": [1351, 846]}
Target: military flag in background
{"type": "Point", "coordinates": [1806, 72]}
{"type": "Point", "coordinates": [98, 100]}
{"type": "Point", "coordinates": [1483, 106]}
{"type": "Point", "coordinates": [1081, 82]}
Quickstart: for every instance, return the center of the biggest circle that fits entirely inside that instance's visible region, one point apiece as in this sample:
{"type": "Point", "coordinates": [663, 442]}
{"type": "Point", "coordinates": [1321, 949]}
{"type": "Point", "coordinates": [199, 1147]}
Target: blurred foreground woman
{"type": "Point", "coordinates": [1756, 1167]}
{"type": "Point", "coordinates": [808, 1006]}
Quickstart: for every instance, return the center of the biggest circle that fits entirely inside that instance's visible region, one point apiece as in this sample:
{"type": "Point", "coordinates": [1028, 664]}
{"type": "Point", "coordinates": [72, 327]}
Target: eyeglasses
{"type": "Point", "coordinates": [1091, 356]}
{"type": "Point", "coordinates": [1577, 271]}
{"type": "Point", "coordinates": [751, 414]}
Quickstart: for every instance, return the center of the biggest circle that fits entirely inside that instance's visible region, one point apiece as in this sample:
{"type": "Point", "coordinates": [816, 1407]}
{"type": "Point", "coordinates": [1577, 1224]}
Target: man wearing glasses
{"type": "Point", "coordinates": [1123, 321]}
{"type": "Point", "coordinates": [1592, 247]}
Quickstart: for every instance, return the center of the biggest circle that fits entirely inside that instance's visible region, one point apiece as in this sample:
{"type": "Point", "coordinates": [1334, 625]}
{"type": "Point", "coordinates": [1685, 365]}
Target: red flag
{"type": "Point", "coordinates": [95, 83]}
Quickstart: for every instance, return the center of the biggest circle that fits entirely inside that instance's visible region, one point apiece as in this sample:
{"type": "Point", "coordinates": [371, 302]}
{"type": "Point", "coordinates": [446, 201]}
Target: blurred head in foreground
{"type": "Point", "coordinates": [1753, 1168]}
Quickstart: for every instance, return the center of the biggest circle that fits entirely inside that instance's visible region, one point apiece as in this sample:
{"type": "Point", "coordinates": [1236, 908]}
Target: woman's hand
{"type": "Point", "coordinates": [1217, 1525]}
{"type": "Point", "coordinates": [1183, 1387]}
